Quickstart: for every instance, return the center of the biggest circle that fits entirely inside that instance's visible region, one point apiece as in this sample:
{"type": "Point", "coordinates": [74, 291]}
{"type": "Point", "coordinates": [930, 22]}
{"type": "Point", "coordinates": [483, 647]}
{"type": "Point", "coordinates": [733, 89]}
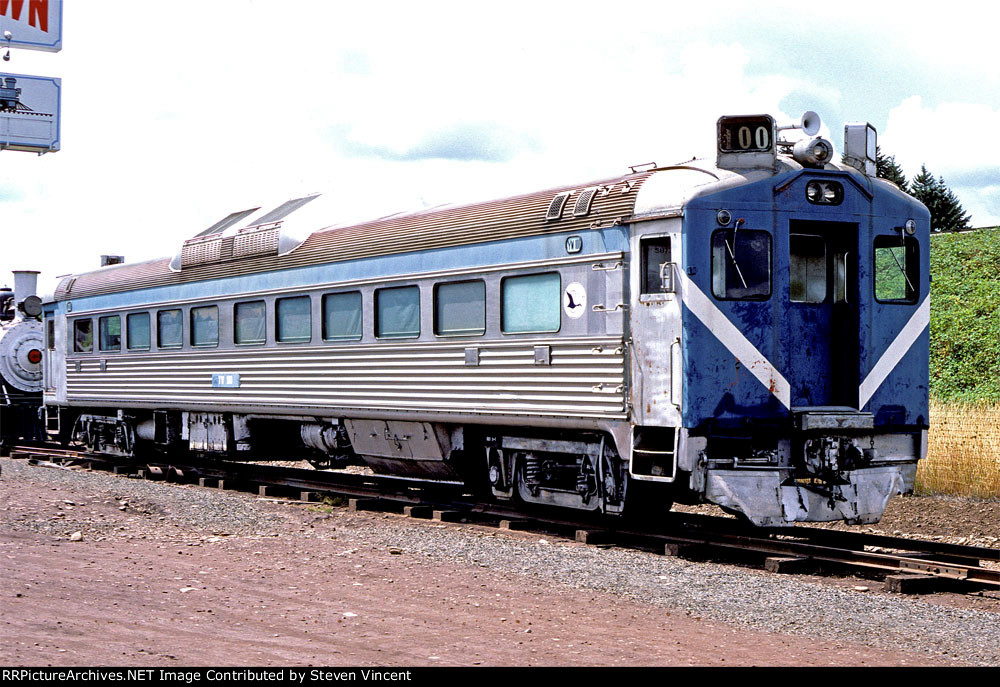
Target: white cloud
{"type": "Point", "coordinates": [951, 140]}
{"type": "Point", "coordinates": [179, 114]}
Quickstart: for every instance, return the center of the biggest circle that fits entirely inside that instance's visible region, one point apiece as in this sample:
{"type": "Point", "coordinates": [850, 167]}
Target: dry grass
{"type": "Point", "coordinates": [963, 450]}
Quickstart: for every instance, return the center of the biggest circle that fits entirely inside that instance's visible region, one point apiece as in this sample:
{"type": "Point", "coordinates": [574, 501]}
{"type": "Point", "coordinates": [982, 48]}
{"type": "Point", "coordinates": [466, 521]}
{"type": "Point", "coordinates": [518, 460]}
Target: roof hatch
{"type": "Point", "coordinates": [252, 233]}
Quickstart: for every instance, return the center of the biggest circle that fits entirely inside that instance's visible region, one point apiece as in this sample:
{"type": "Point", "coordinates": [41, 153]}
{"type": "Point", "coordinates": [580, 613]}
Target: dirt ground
{"type": "Point", "coordinates": [145, 595]}
{"type": "Point", "coordinates": [976, 521]}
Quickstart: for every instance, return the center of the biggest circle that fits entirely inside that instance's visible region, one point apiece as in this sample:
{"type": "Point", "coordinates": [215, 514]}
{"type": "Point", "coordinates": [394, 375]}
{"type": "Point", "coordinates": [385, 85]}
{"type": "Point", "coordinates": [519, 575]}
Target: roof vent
{"type": "Point", "coordinates": [256, 241]}
{"type": "Point", "coordinates": [201, 250]}
{"type": "Point", "coordinates": [584, 200]}
{"type": "Point", "coordinates": [556, 206]}
{"type": "Point", "coordinates": [252, 233]}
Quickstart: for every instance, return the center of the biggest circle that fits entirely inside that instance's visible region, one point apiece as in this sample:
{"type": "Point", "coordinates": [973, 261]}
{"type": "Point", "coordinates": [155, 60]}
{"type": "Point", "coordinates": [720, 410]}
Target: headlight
{"type": "Point", "coordinates": [814, 152]}
{"type": "Point", "coordinates": [824, 192]}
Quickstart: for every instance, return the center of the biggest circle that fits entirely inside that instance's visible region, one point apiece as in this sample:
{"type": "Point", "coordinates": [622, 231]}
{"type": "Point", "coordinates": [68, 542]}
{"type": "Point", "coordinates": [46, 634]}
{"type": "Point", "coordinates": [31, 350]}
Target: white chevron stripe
{"type": "Point", "coordinates": [732, 338]}
{"type": "Point", "coordinates": [897, 349]}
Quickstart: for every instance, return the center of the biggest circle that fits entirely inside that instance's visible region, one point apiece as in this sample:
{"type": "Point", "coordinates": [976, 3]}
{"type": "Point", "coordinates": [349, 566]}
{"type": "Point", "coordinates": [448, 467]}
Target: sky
{"type": "Point", "coordinates": [175, 114]}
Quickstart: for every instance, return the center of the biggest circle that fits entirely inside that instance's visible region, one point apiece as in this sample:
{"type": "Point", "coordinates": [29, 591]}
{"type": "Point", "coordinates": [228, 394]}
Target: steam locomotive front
{"type": "Point", "coordinates": [20, 360]}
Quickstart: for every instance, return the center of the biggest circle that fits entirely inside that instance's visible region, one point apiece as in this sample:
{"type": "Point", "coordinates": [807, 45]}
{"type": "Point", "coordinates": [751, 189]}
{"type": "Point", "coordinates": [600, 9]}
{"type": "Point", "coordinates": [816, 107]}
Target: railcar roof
{"type": "Point", "coordinates": [506, 218]}
{"type": "Point", "coordinates": [616, 200]}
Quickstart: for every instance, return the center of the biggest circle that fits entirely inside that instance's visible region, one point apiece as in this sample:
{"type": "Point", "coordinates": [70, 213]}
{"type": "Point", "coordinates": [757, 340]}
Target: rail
{"type": "Point", "coordinates": [784, 549]}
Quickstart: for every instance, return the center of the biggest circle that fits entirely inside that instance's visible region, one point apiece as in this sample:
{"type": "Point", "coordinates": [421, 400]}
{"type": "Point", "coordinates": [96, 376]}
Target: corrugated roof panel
{"type": "Point", "coordinates": [495, 220]}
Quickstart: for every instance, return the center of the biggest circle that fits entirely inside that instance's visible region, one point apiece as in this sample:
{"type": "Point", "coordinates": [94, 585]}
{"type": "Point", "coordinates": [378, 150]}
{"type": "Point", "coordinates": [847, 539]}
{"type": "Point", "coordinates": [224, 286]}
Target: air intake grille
{"type": "Point", "coordinates": [583, 201]}
{"type": "Point", "coordinates": [556, 206]}
{"type": "Point", "coordinates": [199, 251]}
{"type": "Point", "coordinates": [260, 242]}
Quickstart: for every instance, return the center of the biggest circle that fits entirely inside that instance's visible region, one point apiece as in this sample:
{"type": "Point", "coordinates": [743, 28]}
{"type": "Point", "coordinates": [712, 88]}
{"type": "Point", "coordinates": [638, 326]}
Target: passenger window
{"type": "Point", "coordinates": [532, 303]}
{"type": "Point", "coordinates": [109, 331]}
{"type": "Point", "coordinates": [460, 309]}
{"type": "Point", "coordinates": [293, 319]}
{"type": "Point", "coordinates": [137, 331]}
{"type": "Point", "coordinates": [83, 336]}
{"type": "Point", "coordinates": [249, 323]}
{"type": "Point", "coordinates": [897, 269]}
{"type": "Point", "coordinates": [205, 326]}
{"type": "Point", "coordinates": [741, 264]}
{"type": "Point", "coordinates": [169, 329]}
{"type": "Point", "coordinates": [342, 316]}
{"type": "Point", "coordinates": [397, 312]}
{"type": "Point", "coordinates": [807, 268]}
{"type": "Point", "coordinates": [656, 270]}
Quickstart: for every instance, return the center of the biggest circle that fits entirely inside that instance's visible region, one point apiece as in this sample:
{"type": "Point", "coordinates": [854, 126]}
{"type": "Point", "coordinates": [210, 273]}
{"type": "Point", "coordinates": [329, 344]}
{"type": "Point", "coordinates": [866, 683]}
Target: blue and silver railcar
{"type": "Point", "coordinates": [751, 333]}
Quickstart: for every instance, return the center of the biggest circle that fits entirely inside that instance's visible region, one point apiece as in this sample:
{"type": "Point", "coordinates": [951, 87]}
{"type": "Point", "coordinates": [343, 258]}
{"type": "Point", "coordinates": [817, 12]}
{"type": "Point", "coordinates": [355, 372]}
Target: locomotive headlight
{"type": "Point", "coordinates": [814, 152]}
{"type": "Point", "coordinates": [824, 192]}
{"type": "Point", "coordinates": [724, 217]}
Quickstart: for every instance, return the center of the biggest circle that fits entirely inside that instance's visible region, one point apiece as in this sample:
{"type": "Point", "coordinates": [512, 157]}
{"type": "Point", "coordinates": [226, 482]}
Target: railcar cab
{"type": "Point", "coordinates": [804, 329]}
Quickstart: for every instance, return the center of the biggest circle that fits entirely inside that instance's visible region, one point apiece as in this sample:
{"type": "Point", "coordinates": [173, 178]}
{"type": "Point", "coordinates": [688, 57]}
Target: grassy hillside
{"type": "Point", "coordinates": [965, 315]}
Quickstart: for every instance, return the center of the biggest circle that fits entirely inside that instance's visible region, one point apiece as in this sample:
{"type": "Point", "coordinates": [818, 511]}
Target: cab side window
{"type": "Point", "coordinates": [657, 275]}
{"type": "Point", "coordinates": [897, 269]}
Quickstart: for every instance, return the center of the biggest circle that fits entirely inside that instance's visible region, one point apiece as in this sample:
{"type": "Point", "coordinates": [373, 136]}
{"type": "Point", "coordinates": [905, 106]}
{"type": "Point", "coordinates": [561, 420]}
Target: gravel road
{"type": "Point", "coordinates": [229, 572]}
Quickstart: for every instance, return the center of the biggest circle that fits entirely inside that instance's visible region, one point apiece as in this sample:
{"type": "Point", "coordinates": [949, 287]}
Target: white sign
{"type": "Point", "coordinates": [575, 300]}
{"type": "Point", "coordinates": [33, 24]}
{"type": "Point", "coordinates": [29, 112]}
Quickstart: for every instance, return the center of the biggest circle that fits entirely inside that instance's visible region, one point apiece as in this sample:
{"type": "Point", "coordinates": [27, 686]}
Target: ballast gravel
{"type": "Point", "coordinates": [752, 598]}
{"type": "Point", "coordinates": [117, 508]}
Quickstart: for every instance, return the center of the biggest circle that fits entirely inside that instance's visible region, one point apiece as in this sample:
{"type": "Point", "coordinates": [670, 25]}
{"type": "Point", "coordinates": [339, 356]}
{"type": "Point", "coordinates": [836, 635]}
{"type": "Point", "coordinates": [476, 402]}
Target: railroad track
{"type": "Point", "coordinates": [908, 565]}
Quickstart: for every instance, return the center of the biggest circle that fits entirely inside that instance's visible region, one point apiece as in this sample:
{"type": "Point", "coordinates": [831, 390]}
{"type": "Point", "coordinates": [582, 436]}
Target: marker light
{"type": "Point", "coordinates": [724, 217]}
{"type": "Point", "coordinates": [910, 227]}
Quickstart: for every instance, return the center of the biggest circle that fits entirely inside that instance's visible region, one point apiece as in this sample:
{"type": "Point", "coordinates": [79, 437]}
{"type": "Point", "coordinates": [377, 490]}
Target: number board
{"type": "Point", "coordinates": [748, 134]}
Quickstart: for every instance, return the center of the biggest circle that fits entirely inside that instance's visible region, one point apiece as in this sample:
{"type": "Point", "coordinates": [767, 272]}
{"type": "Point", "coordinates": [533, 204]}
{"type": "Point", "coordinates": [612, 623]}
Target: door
{"type": "Point", "coordinates": [655, 324]}
{"type": "Point", "coordinates": [822, 315]}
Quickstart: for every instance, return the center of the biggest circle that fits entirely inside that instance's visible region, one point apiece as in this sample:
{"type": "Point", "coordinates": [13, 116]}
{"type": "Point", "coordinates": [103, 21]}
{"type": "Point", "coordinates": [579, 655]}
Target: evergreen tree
{"type": "Point", "coordinates": [886, 168]}
{"type": "Point", "coordinates": [946, 212]}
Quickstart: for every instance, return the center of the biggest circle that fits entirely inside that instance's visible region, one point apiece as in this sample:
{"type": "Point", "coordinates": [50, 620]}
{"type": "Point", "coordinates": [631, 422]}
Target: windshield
{"type": "Point", "coordinates": [741, 264]}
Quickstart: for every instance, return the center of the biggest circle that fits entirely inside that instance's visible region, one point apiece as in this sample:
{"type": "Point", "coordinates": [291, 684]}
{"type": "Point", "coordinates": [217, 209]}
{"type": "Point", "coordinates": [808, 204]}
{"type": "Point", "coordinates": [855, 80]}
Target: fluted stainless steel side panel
{"type": "Point", "coordinates": [584, 378]}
